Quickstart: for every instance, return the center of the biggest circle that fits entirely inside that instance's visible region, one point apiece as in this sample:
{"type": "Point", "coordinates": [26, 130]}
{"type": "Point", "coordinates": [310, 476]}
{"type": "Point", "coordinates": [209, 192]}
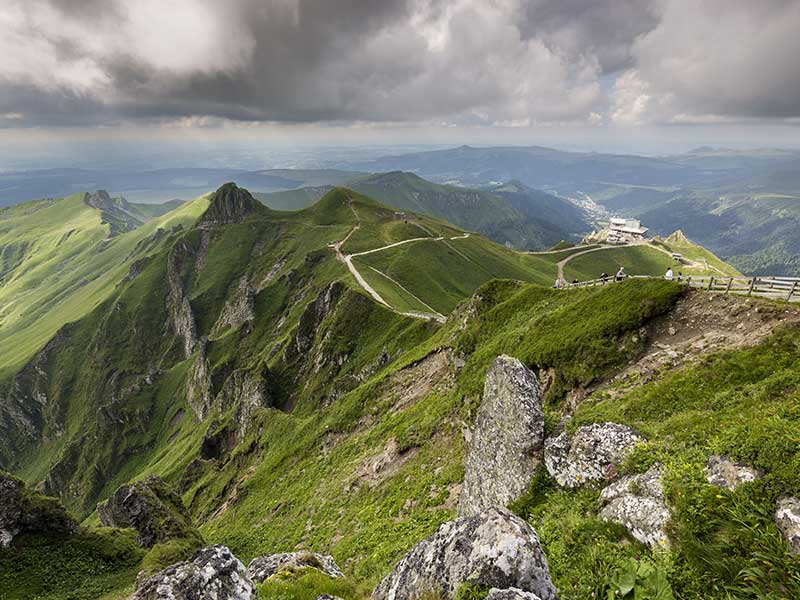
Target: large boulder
{"type": "Point", "coordinates": [151, 507]}
{"type": "Point", "coordinates": [723, 472]}
{"type": "Point", "coordinates": [637, 502]}
{"type": "Point", "coordinates": [494, 549]}
{"type": "Point", "coordinates": [213, 573]}
{"type": "Point", "coordinates": [507, 440]}
{"type": "Point", "coordinates": [264, 567]}
{"type": "Point", "coordinates": [787, 518]}
{"type": "Point", "coordinates": [22, 509]}
{"type": "Point", "coordinates": [590, 454]}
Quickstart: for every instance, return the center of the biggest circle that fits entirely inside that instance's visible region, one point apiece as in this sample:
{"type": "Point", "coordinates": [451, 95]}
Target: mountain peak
{"type": "Point", "coordinates": [230, 204]}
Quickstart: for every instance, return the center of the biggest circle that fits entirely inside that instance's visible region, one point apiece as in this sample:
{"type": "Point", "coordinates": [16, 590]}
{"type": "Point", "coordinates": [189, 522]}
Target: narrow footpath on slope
{"type": "Point", "coordinates": [347, 259]}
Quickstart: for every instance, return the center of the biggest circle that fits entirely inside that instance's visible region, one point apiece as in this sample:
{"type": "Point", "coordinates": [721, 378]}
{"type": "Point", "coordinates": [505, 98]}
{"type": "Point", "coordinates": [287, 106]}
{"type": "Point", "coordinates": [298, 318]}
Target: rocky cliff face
{"type": "Point", "coordinates": [507, 439]}
{"type": "Point", "coordinates": [151, 507]}
{"type": "Point", "coordinates": [23, 510]}
{"type": "Point", "coordinates": [181, 257]}
{"type": "Point", "coordinates": [230, 204]}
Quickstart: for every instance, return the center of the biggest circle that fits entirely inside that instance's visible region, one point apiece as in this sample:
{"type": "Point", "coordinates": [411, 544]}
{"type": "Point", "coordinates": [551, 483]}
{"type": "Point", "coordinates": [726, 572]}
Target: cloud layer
{"type": "Point", "coordinates": [495, 62]}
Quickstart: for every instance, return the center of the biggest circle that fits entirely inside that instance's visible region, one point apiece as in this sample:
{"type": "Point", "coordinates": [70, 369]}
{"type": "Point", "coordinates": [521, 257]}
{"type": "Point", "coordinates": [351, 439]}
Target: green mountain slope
{"type": "Point", "coordinates": [61, 258]}
{"type": "Point", "coordinates": [245, 363]}
{"type": "Point", "coordinates": [513, 214]}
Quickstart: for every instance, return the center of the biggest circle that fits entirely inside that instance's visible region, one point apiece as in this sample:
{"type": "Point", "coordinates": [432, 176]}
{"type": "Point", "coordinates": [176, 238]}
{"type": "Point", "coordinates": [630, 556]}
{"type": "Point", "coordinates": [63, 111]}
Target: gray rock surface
{"type": "Point", "coordinates": [230, 204]}
{"type": "Point", "coordinates": [310, 321]}
{"type": "Point", "coordinates": [787, 518]}
{"type": "Point", "coordinates": [495, 548]}
{"type": "Point", "coordinates": [724, 473]}
{"type": "Point", "coordinates": [239, 309]}
{"type": "Point", "coordinates": [24, 510]}
{"type": "Point", "coordinates": [151, 507]}
{"type": "Point", "coordinates": [507, 439]}
{"type": "Point", "coordinates": [511, 594]}
{"type": "Point", "coordinates": [213, 573]}
{"type": "Point", "coordinates": [637, 502]}
{"type": "Point", "coordinates": [589, 456]}
{"type": "Point", "coordinates": [264, 567]}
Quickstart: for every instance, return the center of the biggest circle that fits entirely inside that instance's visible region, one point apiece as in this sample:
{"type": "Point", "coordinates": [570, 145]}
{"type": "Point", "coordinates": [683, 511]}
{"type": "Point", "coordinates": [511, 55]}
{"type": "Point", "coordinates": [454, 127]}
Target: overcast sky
{"type": "Point", "coordinates": [506, 69]}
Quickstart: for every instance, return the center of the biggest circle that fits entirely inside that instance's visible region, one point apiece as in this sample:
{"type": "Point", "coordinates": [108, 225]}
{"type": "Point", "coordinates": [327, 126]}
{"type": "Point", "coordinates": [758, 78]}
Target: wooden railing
{"type": "Point", "coordinates": [776, 288]}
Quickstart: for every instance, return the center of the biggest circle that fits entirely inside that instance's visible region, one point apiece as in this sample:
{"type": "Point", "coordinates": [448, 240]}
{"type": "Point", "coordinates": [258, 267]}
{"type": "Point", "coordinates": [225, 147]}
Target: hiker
{"type": "Point", "coordinates": [558, 283]}
{"type": "Point", "coordinates": [668, 275]}
{"type": "Point", "coordinates": [680, 276]}
{"type": "Point", "coordinates": [604, 277]}
{"type": "Point", "coordinates": [621, 274]}
{"type": "Point", "coordinates": [575, 282]}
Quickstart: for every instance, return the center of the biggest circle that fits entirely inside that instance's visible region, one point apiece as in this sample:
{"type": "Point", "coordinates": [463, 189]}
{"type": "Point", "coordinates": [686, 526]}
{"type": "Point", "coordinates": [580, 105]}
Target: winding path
{"type": "Point", "coordinates": [347, 259]}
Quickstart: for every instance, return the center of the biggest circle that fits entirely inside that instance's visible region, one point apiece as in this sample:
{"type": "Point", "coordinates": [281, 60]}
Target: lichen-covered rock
{"type": "Point", "coordinates": [213, 573]}
{"type": "Point", "coordinates": [264, 567]}
{"type": "Point", "coordinates": [724, 473]}
{"type": "Point", "coordinates": [511, 594]}
{"type": "Point", "coordinates": [495, 549]}
{"type": "Point", "coordinates": [637, 502]}
{"type": "Point", "coordinates": [589, 456]}
{"type": "Point", "coordinates": [507, 439]}
{"type": "Point", "coordinates": [24, 510]}
{"type": "Point", "coordinates": [787, 518]}
{"type": "Point", "coordinates": [151, 507]}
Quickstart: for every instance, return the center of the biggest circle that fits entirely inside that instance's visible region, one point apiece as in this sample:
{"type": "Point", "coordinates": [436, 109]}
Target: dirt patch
{"type": "Point", "coordinates": [436, 372]}
{"type": "Point", "coordinates": [377, 468]}
{"type": "Point", "coordinates": [699, 325]}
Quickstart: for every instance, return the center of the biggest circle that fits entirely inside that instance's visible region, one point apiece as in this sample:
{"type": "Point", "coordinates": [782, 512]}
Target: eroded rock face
{"type": "Point", "coordinates": [507, 439]}
{"type": "Point", "coordinates": [590, 454]}
{"type": "Point", "coordinates": [151, 507]}
{"type": "Point", "coordinates": [310, 321]}
{"type": "Point", "coordinates": [495, 548]}
{"type": "Point", "coordinates": [213, 573]}
{"type": "Point", "coordinates": [263, 567]}
{"type": "Point", "coordinates": [230, 204]}
{"type": "Point", "coordinates": [724, 473]}
{"type": "Point", "coordinates": [637, 502]}
{"type": "Point", "coordinates": [787, 518]}
{"type": "Point", "coordinates": [23, 510]}
{"type": "Point", "coordinates": [238, 309]}
{"type": "Point", "coordinates": [511, 594]}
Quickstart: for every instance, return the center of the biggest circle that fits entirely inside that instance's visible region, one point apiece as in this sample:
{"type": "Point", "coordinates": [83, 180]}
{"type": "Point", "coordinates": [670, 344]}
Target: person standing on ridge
{"type": "Point", "coordinates": [668, 275]}
{"type": "Point", "coordinates": [621, 274]}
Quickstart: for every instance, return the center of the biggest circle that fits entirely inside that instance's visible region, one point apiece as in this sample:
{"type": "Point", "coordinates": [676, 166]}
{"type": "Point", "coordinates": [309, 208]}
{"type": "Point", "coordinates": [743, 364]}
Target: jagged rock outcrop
{"type": "Point", "coordinates": [199, 394]}
{"type": "Point", "coordinates": [590, 454]}
{"type": "Point", "coordinates": [180, 310]}
{"type": "Point", "coordinates": [115, 212]}
{"type": "Point", "coordinates": [264, 567]}
{"type": "Point", "coordinates": [637, 502]}
{"type": "Point", "coordinates": [507, 439]}
{"type": "Point", "coordinates": [722, 472]}
{"type": "Point", "coordinates": [238, 309]}
{"type": "Point", "coordinates": [213, 573]}
{"type": "Point", "coordinates": [495, 549]}
{"type": "Point", "coordinates": [303, 339]}
{"type": "Point", "coordinates": [511, 594]}
{"type": "Point", "coordinates": [151, 507]}
{"type": "Point", "coordinates": [787, 518]}
{"type": "Point", "coordinates": [230, 204]}
{"type": "Point", "coordinates": [24, 510]}
{"type": "Point", "coordinates": [248, 390]}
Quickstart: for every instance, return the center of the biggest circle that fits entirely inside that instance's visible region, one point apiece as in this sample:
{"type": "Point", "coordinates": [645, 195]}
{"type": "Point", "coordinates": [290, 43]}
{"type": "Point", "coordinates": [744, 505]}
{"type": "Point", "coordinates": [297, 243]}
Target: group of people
{"type": "Point", "coordinates": [621, 274]}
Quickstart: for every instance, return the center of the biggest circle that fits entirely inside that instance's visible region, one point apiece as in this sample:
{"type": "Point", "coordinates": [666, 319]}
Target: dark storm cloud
{"type": "Point", "coordinates": [491, 61]}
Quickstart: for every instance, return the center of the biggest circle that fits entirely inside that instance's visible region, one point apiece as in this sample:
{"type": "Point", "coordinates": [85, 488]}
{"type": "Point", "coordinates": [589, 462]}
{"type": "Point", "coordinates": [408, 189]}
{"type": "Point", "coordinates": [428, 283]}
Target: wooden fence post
{"type": "Point", "coordinates": [752, 283]}
{"type": "Point", "coordinates": [728, 289]}
{"type": "Point", "coordinates": [710, 283]}
{"type": "Point", "coordinates": [791, 291]}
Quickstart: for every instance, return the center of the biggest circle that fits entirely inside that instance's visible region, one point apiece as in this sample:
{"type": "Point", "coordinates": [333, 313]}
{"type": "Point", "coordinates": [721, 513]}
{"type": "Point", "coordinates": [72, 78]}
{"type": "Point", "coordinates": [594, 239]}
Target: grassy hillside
{"type": "Point", "coordinates": [58, 263]}
{"type": "Point", "coordinates": [244, 363]}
